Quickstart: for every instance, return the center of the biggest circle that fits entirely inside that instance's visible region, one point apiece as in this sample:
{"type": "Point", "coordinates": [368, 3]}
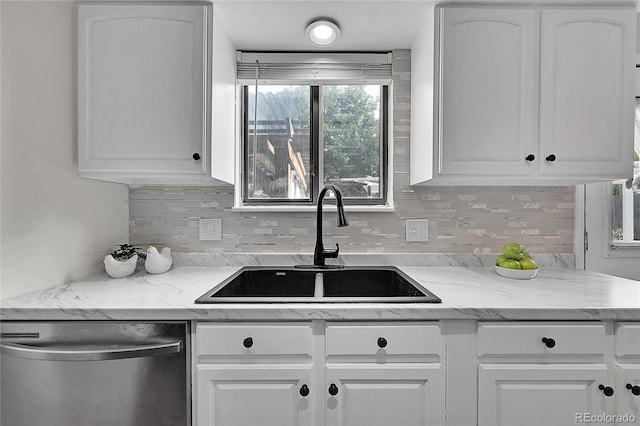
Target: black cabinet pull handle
{"type": "Point", "coordinates": [248, 342]}
{"type": "Point", "coordinates": [634, 389]}
{"type": "Point", "coordinates": [530, 157]}
{"type": "Point", "coordinates": [382, 342]}
{"type": "Point", "coordinates": [551, 157]}
{"type": "Point", "coordinates": [196, 156]}
{"type": "Point", "coordinates": [333, 389]}
{"type": "Point", "coordinates": [548, 342]}
{"type": "Point", "coordinates": [304, 390]}
{"type": "Point", "coordinates": [606, 390]}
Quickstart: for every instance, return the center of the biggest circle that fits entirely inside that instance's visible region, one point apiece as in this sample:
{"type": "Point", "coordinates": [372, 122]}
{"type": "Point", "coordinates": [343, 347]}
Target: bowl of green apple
{"type": "Point", "coordinates": [516, 263]}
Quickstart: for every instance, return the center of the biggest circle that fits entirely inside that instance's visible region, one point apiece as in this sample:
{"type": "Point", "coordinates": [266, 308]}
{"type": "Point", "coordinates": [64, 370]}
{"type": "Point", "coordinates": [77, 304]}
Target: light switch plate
{"type": "Point", "coordinates": [210, 230]}
{"type": "Point", "coordinates": [417, 229]}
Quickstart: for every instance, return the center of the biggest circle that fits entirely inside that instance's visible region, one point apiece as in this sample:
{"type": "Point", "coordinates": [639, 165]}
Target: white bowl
{"type": "Point", "coordinates": [120, 268]}
{"type": "Point", "coordinates": [516, 274]}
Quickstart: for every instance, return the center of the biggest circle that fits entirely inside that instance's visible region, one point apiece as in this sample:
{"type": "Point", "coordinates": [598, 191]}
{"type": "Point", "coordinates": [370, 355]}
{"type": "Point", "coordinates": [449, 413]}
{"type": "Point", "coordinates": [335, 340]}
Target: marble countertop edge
{"type": "Point", "coordinates": [315, 312]}
{"type": "Point", "coordinates": [561, 293]}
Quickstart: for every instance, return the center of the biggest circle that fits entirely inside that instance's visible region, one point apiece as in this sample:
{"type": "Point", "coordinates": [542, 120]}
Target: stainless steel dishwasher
{"type": "Point", "coordinates": [94, 373]}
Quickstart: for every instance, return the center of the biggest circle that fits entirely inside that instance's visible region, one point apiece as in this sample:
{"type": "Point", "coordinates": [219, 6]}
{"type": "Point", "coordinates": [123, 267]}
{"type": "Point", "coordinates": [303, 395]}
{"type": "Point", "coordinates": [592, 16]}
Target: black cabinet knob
{"type": "Point", "coordinates": [382, 342]}
{"type": "Point", "coordinates": [634, 389]}
{"type": "Point", "coordinates": [548, 342]}
{"type": "Point", "coordinates": [333, 389]}
{"type": "Point", "coordinates": [551, 157]}
{"type": "Point", "coordinates": [196, 156]}
{"type": "Point", "coordinates": [530, 157]}
{"type": "Point", "coordinates": [606, 390]}
{"type": "Point", "coordinates": [248, 342]}
{"type": "Point", "coordinates": [304, 390]}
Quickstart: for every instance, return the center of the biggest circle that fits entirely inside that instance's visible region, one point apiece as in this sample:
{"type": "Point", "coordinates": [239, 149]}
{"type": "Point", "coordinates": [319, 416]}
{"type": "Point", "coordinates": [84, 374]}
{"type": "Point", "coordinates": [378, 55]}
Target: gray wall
{"type": "Point", "coordinates": [461, 219]}
{"type": "Point", "coordinates": [56, 227]}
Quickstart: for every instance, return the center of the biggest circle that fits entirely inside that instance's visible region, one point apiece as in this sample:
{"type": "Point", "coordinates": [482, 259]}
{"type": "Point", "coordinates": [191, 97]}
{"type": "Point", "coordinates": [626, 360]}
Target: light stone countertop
{"type": "Point", "coordinates": [472, 292]}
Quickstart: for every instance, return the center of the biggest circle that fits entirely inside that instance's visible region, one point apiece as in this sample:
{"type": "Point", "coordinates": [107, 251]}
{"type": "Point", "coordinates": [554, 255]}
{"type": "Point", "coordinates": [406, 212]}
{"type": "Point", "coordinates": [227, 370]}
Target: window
{"type": "Point", "coordinates": [303, 131]}
{"type": "Point", "coordinates": [625, 214]}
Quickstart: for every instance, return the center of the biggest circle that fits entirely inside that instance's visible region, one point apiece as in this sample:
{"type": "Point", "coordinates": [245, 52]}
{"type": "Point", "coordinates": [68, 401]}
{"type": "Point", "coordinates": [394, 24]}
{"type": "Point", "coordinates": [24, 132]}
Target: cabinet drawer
{"type": "Point", "coordinates": [253, 339]}
{"type": "Point", "coordinates": [628, 339]}
{"type": "Point", "coordinates": [393, 339]}
{"type": "Point", "coordinates": [524, 338]}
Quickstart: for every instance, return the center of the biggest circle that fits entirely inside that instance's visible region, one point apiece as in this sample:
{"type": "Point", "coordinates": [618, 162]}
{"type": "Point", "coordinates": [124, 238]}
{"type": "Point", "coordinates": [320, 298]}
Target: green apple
{"type": "Point", "coordinates": [510, 264]}
{"type": "Point", "coordinates": [500, 259]}
{"type": "Point", "coordinates": [528, 263]}
{"type": "Point", "coordinates": [513, 251]}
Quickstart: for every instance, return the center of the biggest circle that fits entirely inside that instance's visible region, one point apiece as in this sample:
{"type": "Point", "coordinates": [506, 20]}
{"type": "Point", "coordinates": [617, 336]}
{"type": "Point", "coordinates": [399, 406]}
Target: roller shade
{"type": "Point", "coordinates": [314, 68]}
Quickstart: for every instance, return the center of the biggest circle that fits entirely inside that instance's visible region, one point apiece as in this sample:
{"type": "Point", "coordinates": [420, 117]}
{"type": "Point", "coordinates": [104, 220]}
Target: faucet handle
{"type": "Point", "coordinates": [331, 253]}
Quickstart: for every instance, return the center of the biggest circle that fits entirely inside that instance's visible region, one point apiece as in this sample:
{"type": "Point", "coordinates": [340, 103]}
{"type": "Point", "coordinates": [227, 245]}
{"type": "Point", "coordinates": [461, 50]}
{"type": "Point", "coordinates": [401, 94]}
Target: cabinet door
{"type": "Point", "coordinates": [264, 395]}
{"type": "Point", "coordinates": [400, 395]}
{"type": "Point", "coordinates": [587, 92]}
{"type": "Point", "coordinates": [541, 395]}
{"type": "Point", "coordinates": [488, 95]}
{"type": "Point", "coordinates": [142, 81]}
{"type": "Point", "coordinates": [628, 403]}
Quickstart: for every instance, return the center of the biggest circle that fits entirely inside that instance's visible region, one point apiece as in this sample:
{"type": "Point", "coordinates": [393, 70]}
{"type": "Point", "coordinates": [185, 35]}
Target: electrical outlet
{"type": "Point", "coordinates": [210, 230]}
{"type": "Point", "coordinates": [417, 229]}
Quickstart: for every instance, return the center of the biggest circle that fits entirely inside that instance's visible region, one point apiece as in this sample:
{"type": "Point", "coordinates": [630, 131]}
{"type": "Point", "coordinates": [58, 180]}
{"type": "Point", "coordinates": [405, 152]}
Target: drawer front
{"type": "Point", "coordinates": [253, 339]}
{"type": "Point", "coordinates": [383, 338]}
{"type": "Point", "coordinates": [628, 338]}
{"type": "Point", "coordinates": [536, 338]}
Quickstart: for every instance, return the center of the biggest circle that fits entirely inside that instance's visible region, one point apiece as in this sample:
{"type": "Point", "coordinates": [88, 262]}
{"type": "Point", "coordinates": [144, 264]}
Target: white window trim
{"type": "Point", "coordinates": [239, 206]}
{"type": "Point", "coordinates": [314, 68]}
{"type": "Point", "coordinates": [609, 249]}
{"type": "Point", "coordinates": [627, 197]}
{"type": "Point", "coordinates": [325, 57]}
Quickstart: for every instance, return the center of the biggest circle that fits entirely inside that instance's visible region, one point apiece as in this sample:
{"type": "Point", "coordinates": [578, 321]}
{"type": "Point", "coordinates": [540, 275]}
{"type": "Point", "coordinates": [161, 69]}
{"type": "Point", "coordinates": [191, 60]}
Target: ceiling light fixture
{"type": "Point", "coordinates": [323, 32]}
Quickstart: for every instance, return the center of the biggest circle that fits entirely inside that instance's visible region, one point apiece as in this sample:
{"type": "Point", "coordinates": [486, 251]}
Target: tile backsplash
{"type": "Point", "coordinates": [469, 219]}
{"type": "Point", "coordinates": [461, 220]}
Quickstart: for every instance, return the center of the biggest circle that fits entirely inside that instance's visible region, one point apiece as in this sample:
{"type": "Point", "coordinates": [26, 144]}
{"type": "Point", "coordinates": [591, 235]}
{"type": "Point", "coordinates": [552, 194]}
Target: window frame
{"type": "Point", "coordinates": [244, 140]}
{"type": "Point", "coordinates": [316, 160]}
{"type": "Point", "coordinates": [628, 219]}
{"type": "Point", "coordinates": [627, 196]}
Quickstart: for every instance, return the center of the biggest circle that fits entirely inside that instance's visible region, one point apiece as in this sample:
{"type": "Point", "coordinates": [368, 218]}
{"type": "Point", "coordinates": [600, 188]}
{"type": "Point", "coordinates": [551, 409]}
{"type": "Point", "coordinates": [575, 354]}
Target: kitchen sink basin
{"type": "Point", "coordinates": [375, 284]}
{"type": "Point", "coordinates": [263, 285]}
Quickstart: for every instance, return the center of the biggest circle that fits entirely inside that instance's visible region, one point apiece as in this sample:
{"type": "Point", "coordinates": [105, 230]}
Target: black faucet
{"type": "Point", "coordinates": [320, 254]}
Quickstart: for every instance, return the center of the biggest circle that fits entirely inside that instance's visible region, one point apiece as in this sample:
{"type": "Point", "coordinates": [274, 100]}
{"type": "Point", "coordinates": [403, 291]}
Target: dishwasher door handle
{"type": "Point", "coordinates": [96, 353]}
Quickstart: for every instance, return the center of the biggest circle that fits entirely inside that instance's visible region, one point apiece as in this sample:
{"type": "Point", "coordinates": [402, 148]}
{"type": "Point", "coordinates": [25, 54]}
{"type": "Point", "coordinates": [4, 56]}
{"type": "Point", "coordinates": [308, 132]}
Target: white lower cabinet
{"type": "Point", "coordinates": [540, 394]}
{"type": "Point", "coordinates": [628, 397]}
{"type": "Point", "coordinates": [267, 395]}
{"type": "Point", "coordinates": [386, 374]}
{"type": "Point", "coordinates": [397, 373]}
{"type": "Point", "coordinates": [253, 374]}
{"type": "Point", "coordinates": [627, 352]}
{"type": "Point", "coordinates": [384, 396]}
{"type": "Point", "coordinates": [548, 373]}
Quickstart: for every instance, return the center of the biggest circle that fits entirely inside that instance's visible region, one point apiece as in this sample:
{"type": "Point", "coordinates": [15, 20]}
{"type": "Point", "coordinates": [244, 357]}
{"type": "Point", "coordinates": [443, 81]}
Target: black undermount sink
{"type": "Point", "coordinates": [351, 284]}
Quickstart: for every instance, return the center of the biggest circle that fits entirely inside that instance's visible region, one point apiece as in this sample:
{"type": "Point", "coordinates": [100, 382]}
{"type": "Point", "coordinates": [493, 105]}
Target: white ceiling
{"type": "Point", "coordinates": [280, 25]}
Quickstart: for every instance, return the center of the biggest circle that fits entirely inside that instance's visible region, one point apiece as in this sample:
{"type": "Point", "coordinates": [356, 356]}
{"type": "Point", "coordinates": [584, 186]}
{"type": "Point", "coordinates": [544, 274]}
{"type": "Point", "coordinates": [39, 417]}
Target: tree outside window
{"type": "Point", "coordinates": [285, 150]}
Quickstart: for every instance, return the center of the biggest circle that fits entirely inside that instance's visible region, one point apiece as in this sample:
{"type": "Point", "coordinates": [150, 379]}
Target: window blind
{"type": "Point", "coordinates": [314, 68]}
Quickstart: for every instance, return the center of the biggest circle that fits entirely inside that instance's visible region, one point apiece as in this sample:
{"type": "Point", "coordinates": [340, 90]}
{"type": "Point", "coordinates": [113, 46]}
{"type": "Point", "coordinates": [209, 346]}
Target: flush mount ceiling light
{"type": "Point", "coordinates": [323, 32]}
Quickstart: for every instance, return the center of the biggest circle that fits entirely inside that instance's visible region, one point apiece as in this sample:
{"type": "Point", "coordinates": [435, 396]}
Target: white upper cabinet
{"type": "Point", "coordinates": [488, 90]}
{"type": "Point", "coordinates": [526, 95]}
{"type": "Point", "coordinates": [587, 81]}
{"type": "Point", "coordinates": [144, 93]}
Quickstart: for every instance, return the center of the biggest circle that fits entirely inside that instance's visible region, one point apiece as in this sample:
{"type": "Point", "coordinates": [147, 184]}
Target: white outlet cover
{"type": "Point", "coordinates": [210, 230]}
{"type": "Point", "coordinates": [417, 229]}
